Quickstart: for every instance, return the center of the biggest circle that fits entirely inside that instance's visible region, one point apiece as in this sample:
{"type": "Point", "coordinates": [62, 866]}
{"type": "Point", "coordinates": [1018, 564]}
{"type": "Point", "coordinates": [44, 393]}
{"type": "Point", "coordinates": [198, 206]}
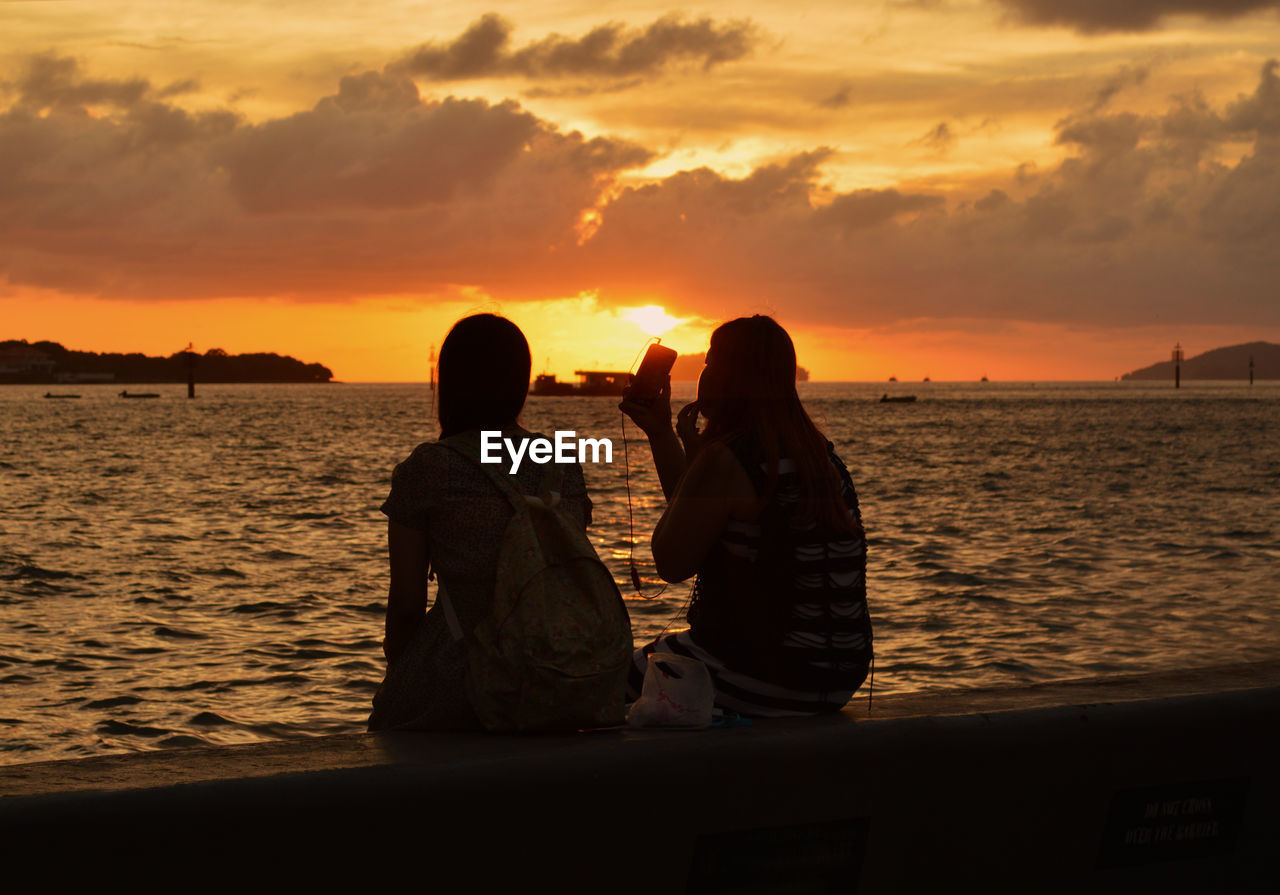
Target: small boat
{"type": "Point", "coordinates": [893, 378]}
{"type": "Point", "coordinates": [927, 379]}
{"type": "Point", "coordinates": [897, 399]}
{"type": "Point", "coordinates": [52, 395]}
{"type": "Point", "coordinates": [984, 379]}
{"type": "Point", "coordinates": [126, 394]}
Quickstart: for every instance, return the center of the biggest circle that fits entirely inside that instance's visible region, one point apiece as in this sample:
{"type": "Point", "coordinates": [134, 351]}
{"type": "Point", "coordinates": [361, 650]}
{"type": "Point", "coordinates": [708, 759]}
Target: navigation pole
{"type": "Point", "coordinates": [189, 356]}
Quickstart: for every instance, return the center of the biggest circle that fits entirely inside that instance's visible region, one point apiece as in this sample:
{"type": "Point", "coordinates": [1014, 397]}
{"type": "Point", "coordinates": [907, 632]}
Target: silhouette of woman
{"type": "Point", "coordinates": [445, 514]}
{"type": "Point", "coordinates": [764, 513]}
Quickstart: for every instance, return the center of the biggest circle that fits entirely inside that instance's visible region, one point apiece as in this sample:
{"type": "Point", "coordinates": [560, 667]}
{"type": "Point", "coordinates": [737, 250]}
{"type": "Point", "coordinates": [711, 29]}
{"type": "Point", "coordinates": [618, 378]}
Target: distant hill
{"type": "Point", "coordinates": [43, 362]}
{"type": "Point", "coordinates": [688, 367]}
{"type": "Point", "coordinates": [1231, 362]}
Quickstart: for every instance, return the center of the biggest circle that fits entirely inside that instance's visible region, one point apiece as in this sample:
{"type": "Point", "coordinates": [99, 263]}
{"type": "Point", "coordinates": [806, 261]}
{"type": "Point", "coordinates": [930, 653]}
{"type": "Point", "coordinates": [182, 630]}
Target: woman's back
{"type": "Point", "coordinates": [783, 596]}
{"type": "Point", "coordinates": [442, 493]}
{"type": "Point", "coordinates": [462, 515]}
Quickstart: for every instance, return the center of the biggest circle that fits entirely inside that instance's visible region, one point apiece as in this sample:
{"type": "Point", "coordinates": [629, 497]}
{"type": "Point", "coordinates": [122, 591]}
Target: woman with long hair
{"type": "Point", "coordinates": [446, 516]}
{"type": "Point", "coordinates": [763, 512]}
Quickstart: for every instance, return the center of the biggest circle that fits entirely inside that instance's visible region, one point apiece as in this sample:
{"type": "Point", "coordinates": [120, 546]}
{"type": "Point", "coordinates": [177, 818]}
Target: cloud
{"type": "Point", "coordinates": [1259, 112]}
{"type": "Point", "coordinates": [1124, 77]}
{"type": "Point", "coordinates": [610, 51]}
{"type": "Point", "coordinates": [49, 81]}
{"type": "Point", "coordinates": [375, 190]}
{"type": "Point", "coordinates": [838, 100]}
{"type": "Point", "coordinates": [940, 138]}
{"type": "Point", "coordinates": [871, 208]}
{"type": "Point", "coordinates": [1143, 221]}
{"type": "Point", "coordinates": [1097, 16]}
{"type": "Point", "coordinates": [375, 144]}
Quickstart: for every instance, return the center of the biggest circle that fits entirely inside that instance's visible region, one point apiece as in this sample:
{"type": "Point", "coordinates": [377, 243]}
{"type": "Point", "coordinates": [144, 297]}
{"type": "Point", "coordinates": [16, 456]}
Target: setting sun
{"type": "Point", "coordinates": [652, 319]}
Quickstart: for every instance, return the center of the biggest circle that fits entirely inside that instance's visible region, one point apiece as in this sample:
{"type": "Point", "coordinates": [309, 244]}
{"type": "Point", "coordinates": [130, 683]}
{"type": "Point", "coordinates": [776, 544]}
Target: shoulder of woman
{"type": "Point", "coordinates": [429, 453]}
{"type": "Point", "coordinates": [717, 464]}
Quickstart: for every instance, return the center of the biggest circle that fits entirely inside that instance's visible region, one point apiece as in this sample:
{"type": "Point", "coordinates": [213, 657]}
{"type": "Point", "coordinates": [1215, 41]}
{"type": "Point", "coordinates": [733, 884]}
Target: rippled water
{"type": "Point", "coordinates": [177, 572]}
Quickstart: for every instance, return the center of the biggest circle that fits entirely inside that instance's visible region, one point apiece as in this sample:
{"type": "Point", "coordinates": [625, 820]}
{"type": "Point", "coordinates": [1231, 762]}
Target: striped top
{"type": "Point", "coordinates": [782, 598]}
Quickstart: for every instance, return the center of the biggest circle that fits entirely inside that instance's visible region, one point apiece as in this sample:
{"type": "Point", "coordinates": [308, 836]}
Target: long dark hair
{"type": "Point", "coordinates": [484, 375]}
{"type": "Point", "coordinates": [753, 362]}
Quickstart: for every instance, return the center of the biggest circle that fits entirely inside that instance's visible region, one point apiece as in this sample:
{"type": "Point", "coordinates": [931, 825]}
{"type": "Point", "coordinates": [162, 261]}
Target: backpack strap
{"type": "Point", "coordinates": [468, 445]}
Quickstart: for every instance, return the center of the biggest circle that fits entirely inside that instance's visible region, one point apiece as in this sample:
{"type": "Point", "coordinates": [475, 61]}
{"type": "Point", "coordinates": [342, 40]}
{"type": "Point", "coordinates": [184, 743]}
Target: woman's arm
{"type": "Point", "coordinates": [714, 490]}
{"type": "Point", "coordinates": [654, 420]}
{"type": "Point", "coordinates": [407, 598]}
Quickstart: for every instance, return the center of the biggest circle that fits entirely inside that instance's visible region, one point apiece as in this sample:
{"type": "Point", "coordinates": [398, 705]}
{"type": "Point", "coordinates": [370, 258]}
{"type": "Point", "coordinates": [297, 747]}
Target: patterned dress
{"type": "Point", "coordinates": [443, 494]}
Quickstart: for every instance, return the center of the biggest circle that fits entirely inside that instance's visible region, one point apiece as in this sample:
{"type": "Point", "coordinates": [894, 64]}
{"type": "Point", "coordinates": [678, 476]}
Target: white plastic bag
{"type": "Point", "coordinates": [677, 692]}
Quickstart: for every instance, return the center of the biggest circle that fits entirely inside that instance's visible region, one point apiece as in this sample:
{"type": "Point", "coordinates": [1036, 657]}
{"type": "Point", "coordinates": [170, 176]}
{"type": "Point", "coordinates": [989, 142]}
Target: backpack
{"type": "Point", "coordinates": [554, 651]}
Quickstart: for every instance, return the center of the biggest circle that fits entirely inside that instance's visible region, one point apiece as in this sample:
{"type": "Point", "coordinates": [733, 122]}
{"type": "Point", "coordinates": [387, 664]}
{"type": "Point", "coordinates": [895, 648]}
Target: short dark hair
{"type": "Point", "coordinates": [484, 375]}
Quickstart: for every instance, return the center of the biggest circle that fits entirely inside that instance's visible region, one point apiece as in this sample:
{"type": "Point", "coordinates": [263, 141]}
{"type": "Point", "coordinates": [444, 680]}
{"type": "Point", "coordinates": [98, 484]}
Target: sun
{"type": "Point", "coordinates": [652, 319]}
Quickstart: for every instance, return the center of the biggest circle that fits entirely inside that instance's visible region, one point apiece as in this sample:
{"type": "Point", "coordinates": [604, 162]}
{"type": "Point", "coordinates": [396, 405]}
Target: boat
{"type": "Point", "coordinates": [126, 394]}
{"type": "Point", "coordinates": [984, 379]}
{"type": "Point", "coordinates": [893, 378]}
{"type": "Point", "coordinates": [927, 379]}
{"type": "Point", "coordinates": [590, 382]}
{"type": "Point", "coordinates": [897, 399]}
{"type": "Point", "coordinates": [52, 395]}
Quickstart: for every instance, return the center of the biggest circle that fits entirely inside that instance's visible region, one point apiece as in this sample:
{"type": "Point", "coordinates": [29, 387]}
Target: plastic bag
{"type": "Point", "coordinates": [677, 692]}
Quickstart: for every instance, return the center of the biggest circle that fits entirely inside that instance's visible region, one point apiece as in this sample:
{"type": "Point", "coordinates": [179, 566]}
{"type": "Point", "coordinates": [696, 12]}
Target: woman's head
{"type": "Point", "coordinates": [748, 386]}
{"type": "Point", "coordinates": [750, 368]}
{"type": "Point", "coordinates": [484, 375]}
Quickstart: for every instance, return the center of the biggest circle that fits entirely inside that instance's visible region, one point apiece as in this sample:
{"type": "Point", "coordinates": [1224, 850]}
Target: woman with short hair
{"type": "Point", "coordinates": [445, 514]}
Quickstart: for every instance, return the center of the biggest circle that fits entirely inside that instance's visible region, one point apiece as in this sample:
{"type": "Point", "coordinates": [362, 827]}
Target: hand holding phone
{"type": "Point", "coordinates": [653, 375]}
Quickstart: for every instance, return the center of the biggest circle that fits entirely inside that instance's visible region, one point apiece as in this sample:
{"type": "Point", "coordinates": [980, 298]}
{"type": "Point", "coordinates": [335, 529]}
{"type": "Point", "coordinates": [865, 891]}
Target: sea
{"type": "Point", "coordinates": [180, 572]}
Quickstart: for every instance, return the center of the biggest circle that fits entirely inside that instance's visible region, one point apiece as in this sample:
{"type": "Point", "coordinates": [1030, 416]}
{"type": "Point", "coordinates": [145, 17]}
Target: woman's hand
{"type": "Point", "coordinates": [687, 429]}
{"type": "Point", "coordinates": [655, 420]}
{"type": "Point", "coordinates": [654, 417]}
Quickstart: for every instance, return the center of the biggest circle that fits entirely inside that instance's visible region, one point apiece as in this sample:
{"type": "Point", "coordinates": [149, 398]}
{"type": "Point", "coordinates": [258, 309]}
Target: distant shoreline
{"type": "Point", "coordinates": [50, 363]}
{"type": "Point", "coordinates": [182, 382]}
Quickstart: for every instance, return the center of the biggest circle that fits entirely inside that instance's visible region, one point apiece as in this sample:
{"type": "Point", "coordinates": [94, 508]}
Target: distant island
{"type": "Point", "coordinates": [49, 362]}
{"type": "Point", "coordinates": [1231, 362]}
{"type": "Point", "coordinates": [688, 367]}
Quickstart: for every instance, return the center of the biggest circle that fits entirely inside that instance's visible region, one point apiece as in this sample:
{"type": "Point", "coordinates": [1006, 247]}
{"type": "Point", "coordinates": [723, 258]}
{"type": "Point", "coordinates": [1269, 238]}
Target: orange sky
{"type": "Point", "coordinates": [1024, 189]}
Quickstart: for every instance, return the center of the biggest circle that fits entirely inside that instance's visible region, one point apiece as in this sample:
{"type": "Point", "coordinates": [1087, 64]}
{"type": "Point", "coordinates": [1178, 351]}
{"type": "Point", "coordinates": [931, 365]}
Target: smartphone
{"type": "Point", "coordinates": [649, 379]}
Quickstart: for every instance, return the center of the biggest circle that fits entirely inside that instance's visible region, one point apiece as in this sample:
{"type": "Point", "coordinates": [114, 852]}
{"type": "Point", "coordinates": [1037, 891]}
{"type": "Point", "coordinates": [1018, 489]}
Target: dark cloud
{"type": "Point", "coordinates": [375, 145]}
{"type": "Point", "coordinates": [1170, 216]}
{"type": "Point", "coordinates": [1142, 222]}
{"type": "Point", "coordinates": [940, 138]}
{"type": "Point", "coordinates": [871, 208]}
{"type": "Point", "coordinates": [1259, 112]}
{"type": "Point", "coordinates": [611, 51]}
{"type": "Point", "coordinates": [838, 100]}
{"type": "Point", "coordinates": [372, 190]}
{"type": "Point", "coordinates": [178, 88]}
{"type": "Point", "coordinates": [1126, 76]}
{"type": "Point", "coordinates": [481, 50]}
{"type": "Point", "coordinates": [48, 81]}
{"type": "Point", "coordinates": [577, 91]}
{"type": "Point", "coordinates": [1110, 134]}
{"type": "Point", "coordinates": [993, 201]}
{"type": "Point", "coordinates": [1095, 16]}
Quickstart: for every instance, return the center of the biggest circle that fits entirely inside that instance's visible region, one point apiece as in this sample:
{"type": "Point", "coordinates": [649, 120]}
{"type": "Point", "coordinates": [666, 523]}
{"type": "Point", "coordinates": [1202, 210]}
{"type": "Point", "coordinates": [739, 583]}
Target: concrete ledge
{"type": "Point", "coordinates": [1135, 783]}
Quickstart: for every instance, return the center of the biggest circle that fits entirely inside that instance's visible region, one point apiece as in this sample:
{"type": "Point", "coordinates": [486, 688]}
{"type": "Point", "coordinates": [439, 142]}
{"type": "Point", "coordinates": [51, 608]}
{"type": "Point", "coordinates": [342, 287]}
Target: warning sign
{"type": "Point", "coordinates": [1177, 820]}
